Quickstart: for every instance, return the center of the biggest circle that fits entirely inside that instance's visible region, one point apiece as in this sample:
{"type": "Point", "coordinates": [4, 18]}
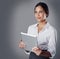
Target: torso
{"type": "Point", "coordinates": [41, 26]}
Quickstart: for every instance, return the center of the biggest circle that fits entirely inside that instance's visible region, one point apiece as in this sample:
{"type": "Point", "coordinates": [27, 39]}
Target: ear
{"type": "Point", "coordinates": [44, 16]}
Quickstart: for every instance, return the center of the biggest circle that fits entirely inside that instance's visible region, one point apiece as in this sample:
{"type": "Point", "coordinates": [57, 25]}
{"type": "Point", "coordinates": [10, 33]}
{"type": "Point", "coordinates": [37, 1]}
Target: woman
{"type": "Point", "coordinates": [46, 34]}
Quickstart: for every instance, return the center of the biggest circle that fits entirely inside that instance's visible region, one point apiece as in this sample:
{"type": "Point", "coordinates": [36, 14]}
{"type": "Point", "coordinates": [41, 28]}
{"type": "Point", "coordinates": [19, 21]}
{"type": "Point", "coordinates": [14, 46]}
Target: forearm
{"type": "Point", "coordinates": [45, 53]}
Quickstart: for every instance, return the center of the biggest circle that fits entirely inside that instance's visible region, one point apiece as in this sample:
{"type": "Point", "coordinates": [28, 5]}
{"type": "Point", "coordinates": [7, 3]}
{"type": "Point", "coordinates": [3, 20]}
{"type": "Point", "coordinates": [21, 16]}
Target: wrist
{"type": "Point", "coordinates": [40, 52]}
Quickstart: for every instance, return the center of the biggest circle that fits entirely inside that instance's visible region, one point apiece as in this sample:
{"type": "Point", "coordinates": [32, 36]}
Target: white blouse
{"type": "Point", "coordinates": [46, 37]}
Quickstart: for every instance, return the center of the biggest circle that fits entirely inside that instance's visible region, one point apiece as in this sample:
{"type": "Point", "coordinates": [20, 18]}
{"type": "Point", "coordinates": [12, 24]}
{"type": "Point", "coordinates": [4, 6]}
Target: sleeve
{"type": "Point", "coordinates": [29, 30]}
{"type": "Point", "coordinates": [52, 42]}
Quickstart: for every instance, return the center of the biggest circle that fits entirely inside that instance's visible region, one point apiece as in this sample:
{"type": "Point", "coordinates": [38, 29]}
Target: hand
{"type": "Point", "coordinates": [21, 44]}
{"type": "Point", "coordinates": [36, 50]}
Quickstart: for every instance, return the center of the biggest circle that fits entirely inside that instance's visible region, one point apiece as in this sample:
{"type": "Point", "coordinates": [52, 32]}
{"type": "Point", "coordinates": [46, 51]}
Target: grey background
{"type": "Point", "coordinates": [16, 16]}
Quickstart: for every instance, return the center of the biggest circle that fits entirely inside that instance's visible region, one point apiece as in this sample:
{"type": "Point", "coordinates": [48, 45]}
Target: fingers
{"type": "Point", "coordinates": [35, 48]}
{"type": "Point", "coordinates": [21, 44]}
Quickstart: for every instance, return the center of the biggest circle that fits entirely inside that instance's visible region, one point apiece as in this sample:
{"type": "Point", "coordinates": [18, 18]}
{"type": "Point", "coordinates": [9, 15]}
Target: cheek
{"type": "Point", "coordinates": [35, 15]}
{"type": "Point", "coordinates": [42, 15]}
{"type": "Point", "coordinates": [39, 15]}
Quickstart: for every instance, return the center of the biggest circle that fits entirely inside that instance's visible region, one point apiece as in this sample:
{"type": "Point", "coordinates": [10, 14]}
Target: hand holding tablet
{"type": "Point", "coordinates": [28, 41]}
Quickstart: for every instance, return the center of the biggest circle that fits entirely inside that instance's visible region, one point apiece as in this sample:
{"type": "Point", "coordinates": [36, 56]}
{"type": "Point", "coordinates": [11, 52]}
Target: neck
{"type": "Point", "coordinates": [42, 22]}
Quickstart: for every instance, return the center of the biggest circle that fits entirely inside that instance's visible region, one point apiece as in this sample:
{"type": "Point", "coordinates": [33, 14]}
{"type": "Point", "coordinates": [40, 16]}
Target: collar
{"type": "Point", "coordinates": [46, 25]}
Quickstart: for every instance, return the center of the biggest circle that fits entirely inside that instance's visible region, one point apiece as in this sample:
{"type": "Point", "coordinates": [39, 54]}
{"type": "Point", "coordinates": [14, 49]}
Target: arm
{"type": "Point", "coordinates": [51, 45]}
{"type": "Point", "coordinates": [45, 53]}
{"type": "Point", "coordinates": [40, 52]}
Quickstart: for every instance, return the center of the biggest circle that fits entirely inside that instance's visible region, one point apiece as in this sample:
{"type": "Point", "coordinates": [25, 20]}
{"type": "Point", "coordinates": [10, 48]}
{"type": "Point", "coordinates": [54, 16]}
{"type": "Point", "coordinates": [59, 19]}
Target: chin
{"type": "Point", "coordinates": [38, 20]}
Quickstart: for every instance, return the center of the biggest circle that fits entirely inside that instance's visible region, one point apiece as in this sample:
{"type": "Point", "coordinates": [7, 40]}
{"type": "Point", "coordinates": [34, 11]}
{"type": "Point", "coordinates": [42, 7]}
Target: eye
{"type": "Point", "coordinates": [35, 11]}
{"type": "Point", "coordinates": [40, 11]}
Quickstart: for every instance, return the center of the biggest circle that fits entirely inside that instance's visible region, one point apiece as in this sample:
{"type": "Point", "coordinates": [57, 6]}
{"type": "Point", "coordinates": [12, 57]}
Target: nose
{"type": "Point", "coordinates": [38, 14]}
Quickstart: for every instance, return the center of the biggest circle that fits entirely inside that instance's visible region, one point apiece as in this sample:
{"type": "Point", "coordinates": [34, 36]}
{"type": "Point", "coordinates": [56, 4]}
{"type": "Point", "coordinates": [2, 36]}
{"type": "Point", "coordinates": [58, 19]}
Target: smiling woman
{"type": "Point", "coordinates": [41, 11]}
{"type": "Point", "coordinates": [46, 34]}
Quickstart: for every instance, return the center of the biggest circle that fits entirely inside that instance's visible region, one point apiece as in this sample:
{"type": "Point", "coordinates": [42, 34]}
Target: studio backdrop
{"type": "Point", "coordinates": [16, 16]}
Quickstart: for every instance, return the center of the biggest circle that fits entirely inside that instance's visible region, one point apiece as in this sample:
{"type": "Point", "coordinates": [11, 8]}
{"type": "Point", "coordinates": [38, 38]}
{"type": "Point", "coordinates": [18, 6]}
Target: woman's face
{"type": "Point", "coordinates": [39, 13]}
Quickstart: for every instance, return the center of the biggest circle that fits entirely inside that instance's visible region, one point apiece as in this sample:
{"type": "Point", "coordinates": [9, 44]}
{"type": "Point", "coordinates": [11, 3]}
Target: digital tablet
{"type": "Point", "coordinates": [29, 40]}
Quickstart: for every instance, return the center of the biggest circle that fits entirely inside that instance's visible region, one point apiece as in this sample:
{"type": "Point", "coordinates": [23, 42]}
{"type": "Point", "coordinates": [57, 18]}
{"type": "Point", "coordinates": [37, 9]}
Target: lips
{"type": "Point", "coordinates": [39, 17]}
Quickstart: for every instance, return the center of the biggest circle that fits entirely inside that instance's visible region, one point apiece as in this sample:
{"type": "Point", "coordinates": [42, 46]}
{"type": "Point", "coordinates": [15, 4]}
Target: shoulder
{"type": "Point", "coordinates": [52, 29]}
{"type": "Point", "coordinates": [32, 26]}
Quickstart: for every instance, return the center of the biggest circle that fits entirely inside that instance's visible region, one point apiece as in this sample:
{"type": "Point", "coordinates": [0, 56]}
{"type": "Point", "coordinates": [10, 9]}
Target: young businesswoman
{"type": "Point", "coordinates": [46, 34]}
